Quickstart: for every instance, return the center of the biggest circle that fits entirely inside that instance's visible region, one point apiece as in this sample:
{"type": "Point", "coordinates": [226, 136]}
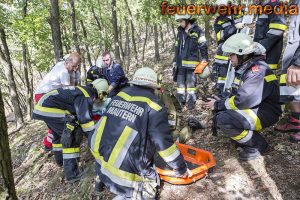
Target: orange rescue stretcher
{"type": "Point", "coordinates": [198, 161]}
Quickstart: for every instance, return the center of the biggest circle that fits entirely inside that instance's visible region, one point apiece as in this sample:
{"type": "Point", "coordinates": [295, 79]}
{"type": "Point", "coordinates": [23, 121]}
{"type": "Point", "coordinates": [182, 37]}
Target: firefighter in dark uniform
{"type": "Point", "coordinates": [94, 73]}
{"type": "Point", "coordinates": [224, 27]}
{"type": "Point", "coordinates": [68, 111]}
{"type": "Point", "coordinates": [134, 127]}
{"type": "Point", "coordinates": [190, 40]}
{"type": "Point", "coordinates": [290, 79]}
{"type": "Point", "coordinates": [269, 33]}
{"type": "Point", "coordinates": [254, 104]}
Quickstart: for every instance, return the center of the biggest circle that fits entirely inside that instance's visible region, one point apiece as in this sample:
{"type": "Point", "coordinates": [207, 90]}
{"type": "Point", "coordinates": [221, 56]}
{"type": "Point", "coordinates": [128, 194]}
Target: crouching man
{"type": "Point", "coordinates": [67, 112]}
{"type": "Point", "coordinates": [254, 102]}
{"type": "Point", "coordinates": [134, 127]}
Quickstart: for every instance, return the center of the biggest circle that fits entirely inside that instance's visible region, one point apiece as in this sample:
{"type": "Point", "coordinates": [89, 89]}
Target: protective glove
{"type": "Point", "coordinates": [200, 67]}
{"type": "Point", "coordinates": [78, 136]}
{"type": "Point", "coordinates": [67, 136]}
{"type": "Point", "coordinates": [174, 66]}
{"type": "Point", "coordinates": [239, 25]}
{"type": "Point", "coordinates": [174, 71]}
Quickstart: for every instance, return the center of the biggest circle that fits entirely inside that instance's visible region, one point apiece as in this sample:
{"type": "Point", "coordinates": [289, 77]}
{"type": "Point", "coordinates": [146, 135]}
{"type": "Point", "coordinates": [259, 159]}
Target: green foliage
{"type": "Point", "coordinates": [34, 29]}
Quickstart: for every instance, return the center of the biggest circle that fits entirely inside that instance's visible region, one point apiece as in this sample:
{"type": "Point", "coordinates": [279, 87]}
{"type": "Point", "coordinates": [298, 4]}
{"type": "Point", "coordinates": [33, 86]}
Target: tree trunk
{"type": "Point", "coordinates": [127, 48]}
{"type": "Point", "coordinates": [168, 28]}
{"type": "Point", "coordinates": [206, 31]}
{"type": "Point", "coordinates": [145, 43]}
{"type": "Point", "coordinates": [156, 48]}
{"type": "Point", "coordinates": [26, 73]}
{"type": "Point", "coordinates": [11, 81]}
{"type": "Point", "coordinates": [162, 37]}
{"type": "Point", "coordinates": [66, 45]}
{"type": "Point", "coordinates": [83, 81]}
{"type": "Point", "coordinates": [116, 32]}
{"type": "Point", "coordinates": [55, 29]}
{"type": "Point", "coordinates": [18, 77]}
{"type": "Point", "coordinates": [174, 33]}
{"type": "Point", "coordinates": [74, 27]}
{"type": "Point", "coordinates": [11, 110]}
{"type": "Point", "coordinates": [98, 25]}
{"type": "Point", "coordinates": [132, 32]}
{"type": "Point", "coordinates": [86, 45]}
{"type": "Point", "coordinates": [121, 46]}
{"type": "Point", "coordinates": [5, 156]}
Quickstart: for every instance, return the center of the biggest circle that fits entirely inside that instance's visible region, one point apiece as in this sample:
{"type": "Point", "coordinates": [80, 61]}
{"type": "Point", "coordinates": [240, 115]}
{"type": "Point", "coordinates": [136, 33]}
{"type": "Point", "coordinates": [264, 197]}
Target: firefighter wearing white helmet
{"type": "Point", "coordinates": [224, 27]}
{"type": "Point", "coordinates": [182, 17]}
{"type": "Point", "coordinates": [254, 102]}
{"type": "Point", "coordinates": [191, 57]}
{"type": "Point", "coordinates": [145, 77]}
{"type": "Point", "coordinates": [135, 127]}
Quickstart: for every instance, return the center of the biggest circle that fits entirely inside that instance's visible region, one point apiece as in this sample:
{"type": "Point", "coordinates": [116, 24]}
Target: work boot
{"type": "Point", "coordinates": [181, 103]}
{"type": "Point", "coordinates": [47, 149]}
{"type": "Point", "coordinates": [190, 104]}
{"type": "Point", "coordinates": [194, 124]}
{"type": "Point", "coordinates": [254, 148]}
{"type": "Point", "coordinates": [293, 125]}
{"type": "Point", "coordinates": [295, 137]}
{"type": "Point", "coordinates": [78, 177]}
{"type": "Point", "coordinates": [99, 187]}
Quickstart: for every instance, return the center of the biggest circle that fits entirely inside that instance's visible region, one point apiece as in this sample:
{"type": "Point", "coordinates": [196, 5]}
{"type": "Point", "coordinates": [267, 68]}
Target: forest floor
{"type": "Point", "coordinates": [274, 176]}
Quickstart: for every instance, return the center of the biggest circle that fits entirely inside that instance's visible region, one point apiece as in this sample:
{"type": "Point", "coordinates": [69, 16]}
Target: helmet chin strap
{"type": "Point", "coordinates": [187, 24]}
{"type": "Point", "coordinates": [244, 58]}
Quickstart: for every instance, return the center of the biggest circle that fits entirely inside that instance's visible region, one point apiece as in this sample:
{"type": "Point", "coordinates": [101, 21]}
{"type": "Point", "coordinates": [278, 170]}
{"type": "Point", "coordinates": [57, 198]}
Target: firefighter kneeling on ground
{"type": "Point", "coordinates": [68, 111]}
{"type": "Point", "coordinates": [254, 103]}
{"type": "Point", "coordinates": [134, 127]}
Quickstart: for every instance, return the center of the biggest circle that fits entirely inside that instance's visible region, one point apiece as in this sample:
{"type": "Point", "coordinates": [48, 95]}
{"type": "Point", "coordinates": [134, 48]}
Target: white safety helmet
{"type": "Point", "coordinates": [182, 17]}
{"type": "Point", "coordinates": [242, 44]}
{"type": "Point", "coordinates": [145, 77]}
{"type": "Point", "coordinates": [225, 2]}
{"type": "Point", "coordinates": [206, 73]}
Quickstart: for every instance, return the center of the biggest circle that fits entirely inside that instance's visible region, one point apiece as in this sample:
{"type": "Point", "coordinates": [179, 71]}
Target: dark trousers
{"type": "Point", "coordinates": [237, 127]}
{"type": "Point", "coordinates": [66, 157]}
{"type": "Point", "coordinates": [273, 56]}
{"type": "Point", "coordinates": [186, 85]}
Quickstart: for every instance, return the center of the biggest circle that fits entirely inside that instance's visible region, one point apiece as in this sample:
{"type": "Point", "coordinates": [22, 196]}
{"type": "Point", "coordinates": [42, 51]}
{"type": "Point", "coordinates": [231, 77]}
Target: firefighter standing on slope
{"type": "Point", "coordinates": [134, 127]}
{"type": "Point", "coordinates": [254, 104]}
{"type": "Point", "coordinates": [269, 31]}
{"type": "Point", "coordinates": [67, 112]}
{"type": "Point", "coordinates": [290, 79]}
{"type": "Point", "coordinates": [190, 40]}
{"type": "Point", "coordinates": [224, 27]}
